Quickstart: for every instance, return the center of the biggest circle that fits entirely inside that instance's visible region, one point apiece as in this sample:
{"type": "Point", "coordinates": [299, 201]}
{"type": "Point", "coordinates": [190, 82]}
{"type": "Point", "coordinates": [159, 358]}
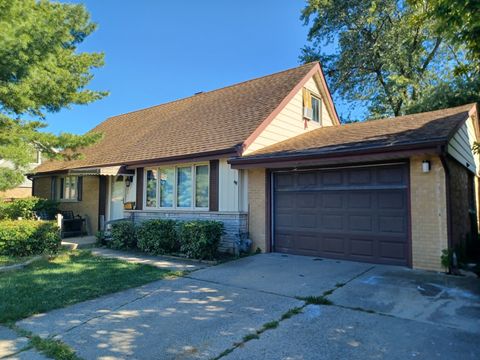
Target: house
{"type": "Point", "coordinates": [269, 158]}
{"type": "Point", "coordinates": [25, 188]}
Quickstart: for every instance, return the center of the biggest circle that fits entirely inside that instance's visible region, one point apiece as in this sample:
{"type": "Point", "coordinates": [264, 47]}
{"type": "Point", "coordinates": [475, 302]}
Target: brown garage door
{"type": "Point", "coordinates": [356, 213]}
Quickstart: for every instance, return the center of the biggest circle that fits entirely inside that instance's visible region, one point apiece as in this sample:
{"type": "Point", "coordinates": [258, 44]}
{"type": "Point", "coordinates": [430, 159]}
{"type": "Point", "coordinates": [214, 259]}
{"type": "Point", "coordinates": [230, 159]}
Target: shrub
{"type": "Point", "coordinates": [28, 237]}
{"type": "Point", "coordinates": [157, 236]}
{"type": "Point", "coordinates": [25, 208]}
{"type": "Point", "coordinates": [200, 239]}
{"type": "Point", "coordinates": [123, 235]}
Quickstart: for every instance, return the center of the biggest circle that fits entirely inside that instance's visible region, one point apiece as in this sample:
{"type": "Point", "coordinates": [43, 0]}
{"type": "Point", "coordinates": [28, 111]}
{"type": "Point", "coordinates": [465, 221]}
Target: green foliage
{"type": "Point", "coordinates": [28, 237]}
{"type": "Point", "coordinates": [459, 22]}
{"type": "Point", "coordinates": [123, 235]}
{"type": "Point", "coordinates": [446, 259]}
{"type": "Point", "coordinates": [53, 348]}
{"type": "Point", "coordinates": [389, 56]}
{"type": "Point", "coordinates": [200, 239]}
{"type": "Point", "coordinates": [67, 279]}
{"type": "Point", "coordinates": [157, 236]}
{"type": "Point", "coordinates": [41, 70]}
{"type": "Point", "coordinates": [27, 207]}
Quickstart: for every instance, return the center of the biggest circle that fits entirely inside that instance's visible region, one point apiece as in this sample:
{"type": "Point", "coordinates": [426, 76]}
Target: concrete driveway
{"type": "Point", "coordinates": [377, 312]}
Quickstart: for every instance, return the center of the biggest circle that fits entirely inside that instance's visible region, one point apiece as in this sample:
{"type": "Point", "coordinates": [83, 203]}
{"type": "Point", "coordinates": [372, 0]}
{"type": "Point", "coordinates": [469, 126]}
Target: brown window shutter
{"type": "Point", "coordinates": [214, 174]}
{"type": "Point", "coordinates": [102, 198]}
{"type": "Point", "coordinates": [79, 188]}
{"type": "Point", "coordinates": [139, 200]}
{"type": "Point", "coordinates": [53, 187]}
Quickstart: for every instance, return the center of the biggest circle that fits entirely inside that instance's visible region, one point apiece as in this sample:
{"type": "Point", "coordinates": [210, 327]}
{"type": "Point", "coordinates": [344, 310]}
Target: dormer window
{"type": "Point", "coordinates": [316, 109]}
{"type": "Point", "coordinates": [312, 106]}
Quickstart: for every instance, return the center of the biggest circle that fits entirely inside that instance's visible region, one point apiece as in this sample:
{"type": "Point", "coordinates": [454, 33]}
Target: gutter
{"type": "Point", "coordinates": [443, 158]}
{"type": "Point", "coordinates": [266, 159]}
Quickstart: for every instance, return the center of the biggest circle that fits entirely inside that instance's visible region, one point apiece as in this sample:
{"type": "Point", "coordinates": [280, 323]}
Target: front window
{"type": "Point", "coordinates": [167, 184]}
{"type": "Point", "coordinates": [180, 187]}
{"type": "Point", "coordinates": [201, 186]}
{"type": "Point", "coordinates": [184, 187]}
{"type": "Point", "coordinates": [68, 188]}
{"type": "Point", "coordinates": [151, 198]}
{"type": "Point", "coordinates": [316, 109]}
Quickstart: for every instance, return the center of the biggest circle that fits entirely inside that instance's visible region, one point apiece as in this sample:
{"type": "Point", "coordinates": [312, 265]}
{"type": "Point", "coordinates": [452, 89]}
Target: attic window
{"type": "Point", "coordinates": [316, 109]}
{"type": "Point", "coordinates": [312, 106]}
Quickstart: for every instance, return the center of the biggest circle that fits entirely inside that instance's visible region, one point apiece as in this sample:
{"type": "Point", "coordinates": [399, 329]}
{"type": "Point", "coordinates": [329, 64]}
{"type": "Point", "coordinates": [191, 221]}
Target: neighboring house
{"type": "Point", "coordinates": [25, 188]}
{"type": "Point", "coordinates": [269, 158]}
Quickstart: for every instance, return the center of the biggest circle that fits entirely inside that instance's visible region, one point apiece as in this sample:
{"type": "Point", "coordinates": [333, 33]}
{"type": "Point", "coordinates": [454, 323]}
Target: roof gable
{"type": "Point", "coordinates": [435, 127]}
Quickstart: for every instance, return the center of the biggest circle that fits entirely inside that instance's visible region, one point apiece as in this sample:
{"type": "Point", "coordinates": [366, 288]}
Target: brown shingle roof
{"type": "Point", "coordinates": [212, 121]}
{"type": "Point", "coordinates": [403, 131]}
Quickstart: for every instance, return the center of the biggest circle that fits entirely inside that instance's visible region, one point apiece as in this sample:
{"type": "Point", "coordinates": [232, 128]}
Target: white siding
{"type": "Point", "coordinates": [229, 188]}
{"type": "Point", "coordinates": [460, 146]}
{"type": "Point", "coordinates": [289, 122]}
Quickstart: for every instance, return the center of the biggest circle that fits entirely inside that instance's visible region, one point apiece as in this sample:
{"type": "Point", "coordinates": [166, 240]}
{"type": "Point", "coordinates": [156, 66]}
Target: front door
{"type": "Point", "coordinates": [117, 197]}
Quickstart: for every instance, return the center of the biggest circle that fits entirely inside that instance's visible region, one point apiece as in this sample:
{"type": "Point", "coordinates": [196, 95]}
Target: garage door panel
{"type": "Point", "coordinates": [361, 247]}
{"type": "Point", "coordinates": [392, 224]}
{"type": "Point", "coordinates": [304, 201]}
{"type": "Point", "coordinates": [358, 214]}
{"type": "Point", "coordinates": [334, 245]}
{"type": "Point", "coordinates": [360, 223]}
{"type": "Point", "coordinates": [332, 221]}
{"type": "Point", "coordinates": [359, 177]}
{"type": "Point", "coordinates": [332, 201]}
{"type": "Point", "coordinates": [393, 199]}
{"type": "Point", "coordinates": [359, 200]}
{"type": "Point", "coordinates": [391, 250]}
{"type": "Point", "coordinates": [391, 175]}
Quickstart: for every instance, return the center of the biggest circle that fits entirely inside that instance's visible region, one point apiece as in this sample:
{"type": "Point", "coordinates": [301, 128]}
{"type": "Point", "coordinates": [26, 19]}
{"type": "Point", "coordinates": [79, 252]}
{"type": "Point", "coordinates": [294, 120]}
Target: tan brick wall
{"type": "Point", "coordinates": [17, 193]}
{"type": "Point", "coordinates": [256, 207]}
{"type": "Point", "coordinates": [88, 207]}
{"type": "Point", "coordinates": [428, 213]}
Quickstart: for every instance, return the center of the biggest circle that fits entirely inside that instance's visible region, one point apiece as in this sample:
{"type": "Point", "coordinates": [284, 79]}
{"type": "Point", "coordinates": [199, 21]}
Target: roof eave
{"type": "Point", "coordinates": [359, 155]}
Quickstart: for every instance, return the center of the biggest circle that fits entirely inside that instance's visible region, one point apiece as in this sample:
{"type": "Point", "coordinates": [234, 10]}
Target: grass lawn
{"type": "Point", "coordinates": [69, 278]}
{"type": "Point", "coordinates": [10, 260]}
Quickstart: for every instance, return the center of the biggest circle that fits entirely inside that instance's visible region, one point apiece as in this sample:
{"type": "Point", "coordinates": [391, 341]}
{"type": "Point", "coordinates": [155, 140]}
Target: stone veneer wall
{"type": "Point", "coordinates": [236, 224]}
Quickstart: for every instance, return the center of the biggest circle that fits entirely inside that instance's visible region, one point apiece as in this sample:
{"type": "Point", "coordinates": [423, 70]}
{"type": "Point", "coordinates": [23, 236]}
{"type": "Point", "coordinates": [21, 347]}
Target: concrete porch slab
{"type": "Point", "coordinates": [80, 242]}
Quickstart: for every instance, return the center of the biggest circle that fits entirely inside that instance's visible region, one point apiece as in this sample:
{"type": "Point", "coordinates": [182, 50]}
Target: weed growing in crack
{"type": "Point", "coordinates": [316, 300]}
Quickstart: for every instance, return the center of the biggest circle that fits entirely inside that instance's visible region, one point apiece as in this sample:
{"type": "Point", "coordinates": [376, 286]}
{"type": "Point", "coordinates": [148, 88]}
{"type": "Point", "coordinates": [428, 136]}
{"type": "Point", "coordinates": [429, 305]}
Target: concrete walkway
{"type": "Point", "coordinates": [378, 312]}
{"type": "Point", "coordinates": [163, 262]}
{"type": "Point", "coordinates": [14, 347]}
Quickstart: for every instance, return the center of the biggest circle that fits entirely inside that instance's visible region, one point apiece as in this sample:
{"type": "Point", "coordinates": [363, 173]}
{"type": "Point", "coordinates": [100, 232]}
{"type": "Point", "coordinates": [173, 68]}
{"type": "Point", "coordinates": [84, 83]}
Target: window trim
{"type": "Point", "coordinates": [60, 196]}
{"type": "Point", "coordinates": [319, 99]}
{"type": "Point", "coordinates": [175, 206]}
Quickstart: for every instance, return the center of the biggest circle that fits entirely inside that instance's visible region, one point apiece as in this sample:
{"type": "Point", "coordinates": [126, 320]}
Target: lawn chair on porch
{"type": "Point", "coordinates": [72, 225]}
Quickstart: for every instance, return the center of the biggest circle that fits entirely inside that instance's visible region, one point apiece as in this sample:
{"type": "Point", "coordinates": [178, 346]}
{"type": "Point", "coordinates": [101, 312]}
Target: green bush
{"type": "Point", "coordinates": [157, 236]}
{"type": "Point", "coordinates": [200, 239]}
{"type": "Point", "coordinates": [28, 237]}
{"type": "Point", "coordinates": [26, 208]}
{"type": "Point", "coordinates": [123, 235]}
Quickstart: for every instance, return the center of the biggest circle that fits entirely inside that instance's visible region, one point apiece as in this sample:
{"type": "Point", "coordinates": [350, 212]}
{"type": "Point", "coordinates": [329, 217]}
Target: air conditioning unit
{"type": "Point", "coordinates": [308, 113]}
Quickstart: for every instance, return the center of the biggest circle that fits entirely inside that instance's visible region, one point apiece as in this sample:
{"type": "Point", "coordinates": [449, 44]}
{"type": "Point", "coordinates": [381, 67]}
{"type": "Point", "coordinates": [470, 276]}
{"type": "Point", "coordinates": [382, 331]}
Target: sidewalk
{"type": "Point", "coordinates": [163, 262]}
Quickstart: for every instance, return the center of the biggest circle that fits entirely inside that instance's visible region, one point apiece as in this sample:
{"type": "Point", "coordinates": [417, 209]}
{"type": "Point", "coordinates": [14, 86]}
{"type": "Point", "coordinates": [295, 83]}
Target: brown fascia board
{"type": "Point", "coordinates": [229, 152]}
{"type": "Point", "coordinates": [349, 156]}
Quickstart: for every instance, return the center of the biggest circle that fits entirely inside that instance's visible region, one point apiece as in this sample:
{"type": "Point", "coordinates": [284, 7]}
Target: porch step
{"type": "Point", "coordinates": [79, 242]}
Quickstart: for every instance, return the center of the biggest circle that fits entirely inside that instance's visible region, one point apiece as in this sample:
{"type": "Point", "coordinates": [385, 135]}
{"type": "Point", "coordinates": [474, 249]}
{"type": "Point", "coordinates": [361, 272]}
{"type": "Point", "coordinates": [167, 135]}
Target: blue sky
{"type": "Point", "coordinates": [158, 51]}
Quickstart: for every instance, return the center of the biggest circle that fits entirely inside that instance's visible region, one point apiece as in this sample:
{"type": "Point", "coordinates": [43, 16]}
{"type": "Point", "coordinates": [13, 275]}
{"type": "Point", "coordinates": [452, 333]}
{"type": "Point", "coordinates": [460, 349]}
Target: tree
{"type": "Point", "coordinates": [390, 55]}
{"type": "Point", "coordinates": [41, 71]}
{"type": "Point", "coordinates": [459, 22]}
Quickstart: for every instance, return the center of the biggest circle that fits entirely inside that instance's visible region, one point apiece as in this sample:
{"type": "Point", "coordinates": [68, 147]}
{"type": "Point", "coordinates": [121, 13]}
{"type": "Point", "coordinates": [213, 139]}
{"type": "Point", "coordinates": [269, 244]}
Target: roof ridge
{"type": "Point", "coordinates": [312, 63]}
